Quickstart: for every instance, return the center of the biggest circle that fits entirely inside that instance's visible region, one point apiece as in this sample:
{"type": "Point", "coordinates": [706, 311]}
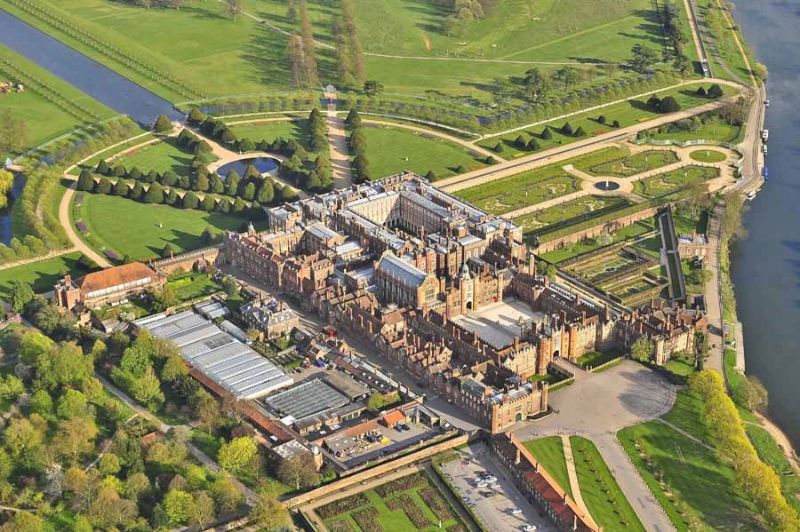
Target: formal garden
{"type": "Point", "coordinates": [411, 502]}
{"type": "Point", "coordinates": [661, 185]}
{"type": "Point", "coordinates": [573, 211]}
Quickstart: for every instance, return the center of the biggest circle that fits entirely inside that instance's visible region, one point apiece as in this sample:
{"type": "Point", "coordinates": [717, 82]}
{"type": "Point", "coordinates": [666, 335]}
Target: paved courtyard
{"type": "Point", "coordinates": [498, 323]}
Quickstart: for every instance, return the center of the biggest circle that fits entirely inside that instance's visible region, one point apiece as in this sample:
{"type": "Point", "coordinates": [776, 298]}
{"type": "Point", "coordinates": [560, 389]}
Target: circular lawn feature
{"type": "Point", "coordinates": [708, 156]}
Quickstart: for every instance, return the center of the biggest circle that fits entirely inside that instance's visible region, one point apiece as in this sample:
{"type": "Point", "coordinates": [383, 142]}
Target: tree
{"type": "Point", "coordinates": [567, 75]}
{"type": "Point", "coordinates": [208, 203]}
{"type": "Point", "coordinates": [227, 494]}
{"type": "Point", "coordinates": [179, 506]}
{"type": "Point", "coordinates": [715, 91]}
{"type": "Point", "coordinates": [268, 512]}
{"type": "Point", "coordinates": [642, 349]}
{"type": "Point", "coordinates": [580, 132]}
{"type": "Point", "coordinates": [520, 142]}
{"type": "Point", "coordinates": [654, 103]}
{"type": "Point", "coordinates": [168, 251]}
{"type": "Point", "coordinates": [566, 129]}
{"type": "Point", "coordinates": [307, 39]}
{"type": "Point", "coordinates": [249, 191]}
{"type": "Point", "coordinates": [13, 133]}
{"type": "Point", "coordinates": [546, 133]}
{"type": "Point", "coordinates": [237, 454]}
{"type": "Point", "coordinates": [601, 119]}
{"type": "Point", "coordinates": [670, 105]}
{"type": "Point", "coordinates": [203, 512]}
{"type": "Point", "coordinates": [353, 119]}
{"type": "Point", "coordinates": [299, 471]}
{"type": "Point", "coordinates": [701, 91]}
{"type": "Point", "coordinates": [643, 58]}
{"type": "Point", "coordinates": [247, 145]}
{"type": "Point", "coordinates": [190, 200]}
{"type": "Point", "coordinates": [233, 7]}
{"type": "Point", "coordinates": [109, 464]}
{"type": "Point", "coordinates": [86, 181]}
{"type": "Point", "coordinates": [121, 188]}
{"type": "Point", "coordinates": [154, 194]}
{"type": "Point", "coordinates": [232, 183]}
{"type": "Point", "coordinates": [536, 85]}
{"type": "Point", "coordinates": [72, 404]}
{"type": "Point", "coordinates": [266, 193]}
{"type": "Point", "coordinates": [137, 191]}
{"type": "Point", "coordinates": [615, 124]}
{"type": "Point", "coordinates": [533, 145]}
{"type": "Point", "coordinates": [297, 61]}
{"type": "Point", "coordinates": [21, 295]}
{"type": "Point", "coordinates": [372, 87]}
{"type": "Point", "coordinates": [162, 124]}
{"type": "Point", "coordinates": [41, 403]}
{"type": "Point", "coordinates": [75, 437]}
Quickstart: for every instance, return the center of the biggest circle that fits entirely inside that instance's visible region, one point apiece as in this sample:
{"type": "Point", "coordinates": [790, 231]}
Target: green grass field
{"type": "Point", "coordinates": [206, 51]}
{"type": "Point", "coordinates": [708, 156]}
{"type": "Point", "coordinates": [628, 113]}
{"type": "Point", "coordinates": [49, 106]}
{"type": "Point", "coordinates": [131, 228]}
{"type": "Point", "coordinates": [599, 490]}
{"type": "Point", "coordinates": [711, 129]}
{"type": "Point", "coordinates": [550, 453]}
{"type": "Point", "coordinates": [391, 150]}
{"type": "Point", "coordinates": [161, 156]}
{"type": "Point", "coordinates": [288, 129]}
{"type": "Point", "coordinates": [663, 184]}
{"type": "Point", "coordinates": [569, 210]}
{"type": "Point", "coordinates": [41, 275]}
{"type": "Point", "coordinates": [518, 191]}
{"type": "Point", "coordinates": [688, 479]}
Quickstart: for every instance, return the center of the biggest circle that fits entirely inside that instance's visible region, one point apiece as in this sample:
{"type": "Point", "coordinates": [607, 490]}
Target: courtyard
{"type": "Point", "coordinates": [499, 323]}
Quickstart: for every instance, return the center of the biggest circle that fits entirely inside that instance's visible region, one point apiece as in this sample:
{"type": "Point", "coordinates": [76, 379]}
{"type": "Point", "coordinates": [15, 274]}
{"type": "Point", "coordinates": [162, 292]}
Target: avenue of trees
{"type": "Point", "coordinates": [756, 480]}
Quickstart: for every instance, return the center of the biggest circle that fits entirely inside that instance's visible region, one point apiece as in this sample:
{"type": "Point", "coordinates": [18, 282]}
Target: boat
{"type": "Point", "coordinates": [766, 103]}
{"type": "Point", "coordinates": [764, 149]}
{"type": "Point", "coordinates": [766, 173]}
{"type": "Point", "coordinates": [765, 134]}
{"type": "Point", "coordinates": [751, 195]}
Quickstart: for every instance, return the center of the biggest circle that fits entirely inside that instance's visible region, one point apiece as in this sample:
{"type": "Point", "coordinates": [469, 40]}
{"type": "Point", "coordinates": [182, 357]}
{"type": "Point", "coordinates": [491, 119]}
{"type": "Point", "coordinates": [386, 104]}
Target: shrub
{"type": "Point", "coordinates": [715, 91]}
{"type": "Point", "coordinates": [547, 134]}
{"type": "Point", "coordinates": [342, 506]}
{"type": "Point", "coordinates": [615, 124]}
{"type": "Point", "coordinates": [415, 514]}
{"type": "Point", "coordinates": [670, 105]}
{"type": "Point", "coordinates": [601, 119]}
{"type": "Point", "coordinates": [566, 129]}
{"type": "Point", "coordinates": [162, 124]}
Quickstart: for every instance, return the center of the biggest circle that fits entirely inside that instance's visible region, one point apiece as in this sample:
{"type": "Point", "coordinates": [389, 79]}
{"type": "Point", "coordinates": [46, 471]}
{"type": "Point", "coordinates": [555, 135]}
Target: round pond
{"type": "Point", "coordinates": [262, 164]}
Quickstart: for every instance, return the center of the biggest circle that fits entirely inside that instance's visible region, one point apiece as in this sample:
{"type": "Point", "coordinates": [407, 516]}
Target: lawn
{"type": "Point", "coordinates": [708, 156]}
{"type": "Point", "coordinates": [49, 106]}
{"type": "Point", "coordinates": [287, 129]}
{"type": "Point", "coordinates": [595, 359]}
{"type": "Point", "coordinates": [160, 156]}
{"type": "Point", "coordinates": [191, 285]}
{"type": "Point", "coordinates": [708, 127]}
{"type": "Point", "coordinates": [141, 231]}
{"type": "Point", "coordinates": [391, 150]}
{"type": "Point", "coordinates": [601, 493]}
{"type": "Point", "coordinates": [573, 211]}
{"type": "Point", "coordinates": [408, 503]}
{"type": "Point", "coordinates": [635, 164]}
{"type": "Point", "coordinates": [687, 478]}
{"type": "Point", "coordinates": [628, 113]}
{"type": "Point", "coordinates": [663, 184]}
{"type": "Point", "coordinates": [550, 453]}
{"type": "Point", "coordinates": [41, 275]}
{"type": "Point", "coordinates": [590, 244]}
{"type": "Point", "coordinates": [201, 49]}
{"type": "Point", "coordinates": [521, 190]}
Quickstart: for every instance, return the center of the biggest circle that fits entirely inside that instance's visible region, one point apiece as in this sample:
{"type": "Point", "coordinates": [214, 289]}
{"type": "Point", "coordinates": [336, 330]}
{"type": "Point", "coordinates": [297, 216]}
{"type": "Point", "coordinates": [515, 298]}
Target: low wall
{"type": "Point", "coordinates": [388, 467]}
{"type": "Point", "coordinates": [596, 230]}
{"type": "Point", "coordinates": [186, 261]}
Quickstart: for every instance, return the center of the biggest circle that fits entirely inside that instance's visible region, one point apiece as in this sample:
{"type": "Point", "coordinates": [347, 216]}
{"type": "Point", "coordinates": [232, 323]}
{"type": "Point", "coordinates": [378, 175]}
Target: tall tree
{"type": "Point", "coordinates": [13, 133]}
{"type": "Point", "coordinates": [567, 75]}
{"type": "Point", "coordinates": [307, 37]}
{"type": "Point", "coordinates": [297, 61]}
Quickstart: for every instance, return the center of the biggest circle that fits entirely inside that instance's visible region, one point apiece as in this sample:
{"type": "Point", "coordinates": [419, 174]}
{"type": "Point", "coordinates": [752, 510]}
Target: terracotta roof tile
{"type": "Point", "coordinates": [127, 273]}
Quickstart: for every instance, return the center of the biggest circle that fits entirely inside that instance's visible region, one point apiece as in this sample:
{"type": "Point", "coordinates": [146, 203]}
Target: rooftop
{"type": "Point", "coordinates": [116, 276]}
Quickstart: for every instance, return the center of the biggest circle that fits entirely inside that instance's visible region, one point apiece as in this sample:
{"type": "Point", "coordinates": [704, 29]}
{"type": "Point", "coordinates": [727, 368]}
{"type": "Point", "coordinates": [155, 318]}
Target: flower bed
{"type": "Point", "coordinates": [341, 506]}
{"type": "Point", "coordinates": [401, 484]}
{"type": "Point", "coordinates": [367, 519]}
{"type": "Point", "coordinates": [436, 503]}
{"type": "Point", "coordinates": [415, 514]}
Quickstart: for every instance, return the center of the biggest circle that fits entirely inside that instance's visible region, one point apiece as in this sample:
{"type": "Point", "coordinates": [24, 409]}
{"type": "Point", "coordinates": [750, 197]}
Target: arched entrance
{"type": "Point", "coordinates": [519, 417]}
{"type": "Point", "coordinates": [556, 353]}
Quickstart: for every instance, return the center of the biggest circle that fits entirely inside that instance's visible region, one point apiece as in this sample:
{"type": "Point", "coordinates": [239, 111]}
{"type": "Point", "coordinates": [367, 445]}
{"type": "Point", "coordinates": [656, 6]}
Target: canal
{"type": "Point", "coordinates": [96, 80]}
{"type": "Point", "coordinates": [766, 266]}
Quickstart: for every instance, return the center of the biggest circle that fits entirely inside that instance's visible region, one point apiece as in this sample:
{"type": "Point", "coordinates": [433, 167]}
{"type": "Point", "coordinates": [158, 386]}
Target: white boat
{"type": "Point", "coordinates": [765, 135]}
{"type": "Point", "coordinates": [766, 103]}
{"type": "Point", "coordinates": [751, 195]}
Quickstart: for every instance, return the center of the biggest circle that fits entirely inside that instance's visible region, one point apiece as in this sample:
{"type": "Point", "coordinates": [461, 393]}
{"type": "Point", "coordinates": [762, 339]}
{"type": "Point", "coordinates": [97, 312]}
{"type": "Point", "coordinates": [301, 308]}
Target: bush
{"type": "Point", "coordinates": [601, 119]}
{"type": "Point", "coordinates": [701, 91]}
{"type": "Point", "coordinates": [86, 181]}
{"type": "Point", "coordinates": [547, 134]}
{"type": "Point", "coordinates": [162, 124]}
{"type": "Point", "coordinates": [670, 105]}
{"type": "Point", "coordinates": [715, 92]}
{"type": "Point", "coordinates": [615, 124]}
{"type": "Point", "coordinates": [499, 147]}
{"type": "Point", "coordinates": [566, 129]}
{"type": "Point", "coordinates": [342, 506]}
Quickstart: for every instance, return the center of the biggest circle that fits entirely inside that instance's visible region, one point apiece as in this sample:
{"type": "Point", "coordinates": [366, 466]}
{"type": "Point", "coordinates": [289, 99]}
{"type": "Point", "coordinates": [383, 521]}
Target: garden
{"type": "Point", "coordinates": [411, 502]}
{"type": "Point", "coordinates": [569, 212]}
{"type": "Point", "coordinates": [521, 190]}
{"type": "Point", "coordinates": [661, 185]}
{"type": "Point", "coordinates": [635, 164]}
{"type": "Point", "coordinates": [549, 452]}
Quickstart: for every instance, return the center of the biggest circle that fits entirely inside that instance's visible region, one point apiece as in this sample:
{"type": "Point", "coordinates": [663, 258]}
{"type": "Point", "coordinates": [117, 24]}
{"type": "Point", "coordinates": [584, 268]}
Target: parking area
{"type": "Point", "coordinates": [499, 505]}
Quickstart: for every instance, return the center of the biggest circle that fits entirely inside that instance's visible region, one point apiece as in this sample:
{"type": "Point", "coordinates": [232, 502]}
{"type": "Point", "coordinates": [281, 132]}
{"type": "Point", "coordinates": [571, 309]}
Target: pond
{"type": "Point", "coordinates": [5, 214]}
{"type": "Point", "coordinates": [262, 164]}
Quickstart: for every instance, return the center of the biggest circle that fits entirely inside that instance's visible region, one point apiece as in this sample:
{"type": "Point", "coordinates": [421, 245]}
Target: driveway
{"type": "Point", "coordinates": [597, 406]}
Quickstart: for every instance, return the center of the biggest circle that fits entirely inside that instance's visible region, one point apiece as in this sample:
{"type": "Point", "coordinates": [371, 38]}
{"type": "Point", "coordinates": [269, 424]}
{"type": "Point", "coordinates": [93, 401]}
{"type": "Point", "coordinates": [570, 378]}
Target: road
{"type": "Point", "coordinates": [339, 149]}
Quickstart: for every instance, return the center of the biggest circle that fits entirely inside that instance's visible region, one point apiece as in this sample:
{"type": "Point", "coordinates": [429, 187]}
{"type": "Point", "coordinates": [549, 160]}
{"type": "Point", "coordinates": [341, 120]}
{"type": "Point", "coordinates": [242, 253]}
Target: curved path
{"type": "Point", "coordinates": [77, 242]}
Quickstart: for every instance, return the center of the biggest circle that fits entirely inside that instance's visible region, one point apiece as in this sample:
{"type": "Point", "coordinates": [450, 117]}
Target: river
{"type": "Point", "coordinates": [766, 266]}
{"type": "Point", "coordinates": [96, 80]}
